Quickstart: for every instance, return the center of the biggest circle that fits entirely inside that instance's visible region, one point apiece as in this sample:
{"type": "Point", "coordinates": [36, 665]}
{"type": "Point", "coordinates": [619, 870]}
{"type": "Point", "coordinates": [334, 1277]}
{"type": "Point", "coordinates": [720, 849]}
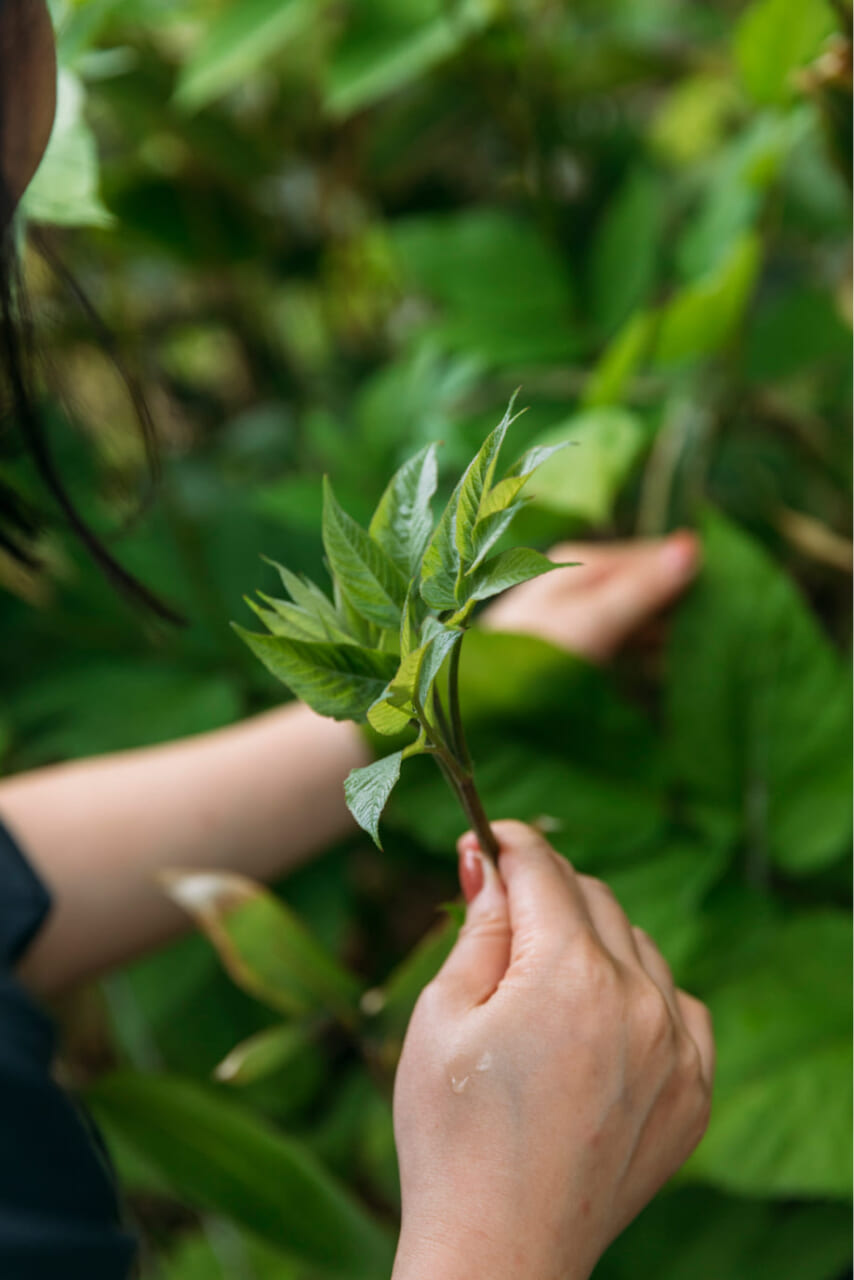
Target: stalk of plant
{"type": "Point", "coordinates": [385, 646]}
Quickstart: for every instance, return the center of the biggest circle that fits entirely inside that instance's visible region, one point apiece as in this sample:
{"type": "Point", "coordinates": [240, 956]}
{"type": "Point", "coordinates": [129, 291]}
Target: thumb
{"type": "Point", "coordinates": [480, 957]}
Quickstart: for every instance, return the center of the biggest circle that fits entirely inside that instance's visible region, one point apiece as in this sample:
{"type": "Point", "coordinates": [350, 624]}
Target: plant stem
{"type": "Point", "coordinates": [452, 757]}
{"type": "Point", "coordinates": [459, 736]}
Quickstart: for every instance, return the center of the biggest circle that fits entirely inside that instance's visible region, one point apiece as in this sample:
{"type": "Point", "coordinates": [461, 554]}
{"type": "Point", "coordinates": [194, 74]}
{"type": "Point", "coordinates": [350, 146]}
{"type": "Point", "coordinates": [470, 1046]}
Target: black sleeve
{"type": "Point", "coordinates": [59, 1214]}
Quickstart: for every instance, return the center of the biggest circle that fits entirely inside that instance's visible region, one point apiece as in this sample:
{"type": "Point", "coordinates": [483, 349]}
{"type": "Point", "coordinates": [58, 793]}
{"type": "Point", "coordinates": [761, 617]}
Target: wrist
{"type": "Point", "coordinates": [472, 1254]}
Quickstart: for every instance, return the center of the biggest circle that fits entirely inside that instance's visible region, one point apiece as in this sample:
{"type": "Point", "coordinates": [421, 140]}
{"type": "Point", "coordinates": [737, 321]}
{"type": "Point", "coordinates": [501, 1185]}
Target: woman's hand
{"type": "Point", "coordinates": [551, 1080]}
{"type": "Point", "coordinates": [593, 609]}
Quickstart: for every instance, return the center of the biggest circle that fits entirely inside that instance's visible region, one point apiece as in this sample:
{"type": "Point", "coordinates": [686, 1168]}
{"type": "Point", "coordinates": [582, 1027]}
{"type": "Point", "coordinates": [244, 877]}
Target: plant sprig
{"type": "Point", "coordinates": [386, 647]}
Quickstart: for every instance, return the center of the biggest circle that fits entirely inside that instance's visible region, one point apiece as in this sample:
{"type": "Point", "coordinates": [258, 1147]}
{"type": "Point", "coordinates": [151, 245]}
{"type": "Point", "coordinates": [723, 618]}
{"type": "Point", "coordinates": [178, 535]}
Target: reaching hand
{"type": "Point", "coordinates": [551, 1080]}
{"type": "Point", "coordinates": [594, 608]}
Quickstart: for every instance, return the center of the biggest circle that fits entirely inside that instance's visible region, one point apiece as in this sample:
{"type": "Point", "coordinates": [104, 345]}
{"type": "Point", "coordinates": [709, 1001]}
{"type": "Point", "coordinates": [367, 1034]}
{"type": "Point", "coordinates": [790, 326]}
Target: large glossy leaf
{"type": "Point", "coordinates": [760, 707]}
{"type": "Point", "coordinates": [262, 944]}
{"type": "Point", "coordinates": [782, 1119]}
{"type": "Point", "coordinates": [335, 680]}
{"type": "Point", "coordinates": [215, 1154]}
{"type": "Point", "coordinates": [368, 789]}
{"type": "Point", "coordinates": [403, 521]}
{"type": "Point", "coordinates": [363, 570]}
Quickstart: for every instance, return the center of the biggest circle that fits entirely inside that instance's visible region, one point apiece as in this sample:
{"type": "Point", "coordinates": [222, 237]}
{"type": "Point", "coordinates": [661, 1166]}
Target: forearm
{"type": "Point", "coordinates": [258, 798]}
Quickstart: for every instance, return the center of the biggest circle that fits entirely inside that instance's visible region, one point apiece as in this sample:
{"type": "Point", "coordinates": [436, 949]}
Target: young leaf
{"type": "Point", "coordinates": [496, 515]}
{"type": "Point", "coordinates": [403, 521]}
{"type": "Point", "coordinates": [368, 789]}
{"type": "Point", "coordinates": [388, 718]}
{"type": "Point", "coordinates": [476, 484]}
{"type": "Point", "coordinates": [506, 570]}
{"type": "Point", "coordinates": [285, 619]}
{"type": "Point", "coordinates": [341, 681]}
{"type": "Point", "coordinates": [441, 564]}
{"type": "Point", "coordinates": [366, 576]}
{"type": "Point", "coordinates": [307, 596]}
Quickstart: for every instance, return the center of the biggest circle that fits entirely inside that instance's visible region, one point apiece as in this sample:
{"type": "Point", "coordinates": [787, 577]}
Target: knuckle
{"type": "Point", "coordinates": [653, 1016]}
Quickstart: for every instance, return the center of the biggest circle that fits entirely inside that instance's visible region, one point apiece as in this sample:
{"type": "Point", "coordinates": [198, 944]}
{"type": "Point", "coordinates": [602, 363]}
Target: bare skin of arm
{"type": "Point", "coordinates": [259, 797]}
{"type": "Point", "coordinates": [263, 796]}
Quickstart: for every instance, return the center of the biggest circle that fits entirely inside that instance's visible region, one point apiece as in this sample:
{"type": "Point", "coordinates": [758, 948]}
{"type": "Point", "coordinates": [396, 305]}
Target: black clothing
{"type": "Point", "coordinates": [59, 1216]}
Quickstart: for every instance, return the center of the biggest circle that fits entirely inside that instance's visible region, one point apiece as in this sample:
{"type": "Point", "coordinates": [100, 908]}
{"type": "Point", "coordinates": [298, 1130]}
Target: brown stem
{"type": "Point", "coordinates": [476, 815]}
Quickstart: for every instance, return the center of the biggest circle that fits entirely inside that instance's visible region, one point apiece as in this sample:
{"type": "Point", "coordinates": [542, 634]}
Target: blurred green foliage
{"type": "Point", "coordinates": [327, 235]}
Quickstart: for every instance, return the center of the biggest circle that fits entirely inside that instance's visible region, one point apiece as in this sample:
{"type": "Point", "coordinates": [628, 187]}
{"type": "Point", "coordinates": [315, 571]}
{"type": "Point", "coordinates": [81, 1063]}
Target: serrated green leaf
{"type": "Point", "coordinates": [403, 521]}
{"type": "Point", "coordinates": [441, 564]}
{"type": "Point", "coordinates": [341, 681]}
{"type": "Point", "coordinates": [475, 486]}
{"type": "Point", "coordinates": [366, 576]}
{"type": "Point", "coordinates": [364, 572]}
{"type": "Point", "coordinates": [368, 789]}
{"type": "Point", "coordinates": [307, 596]}
{"type": "Point", "coordinates": [508, 569]}
{"type": "Point", "coordinates": [285, 619]}
{"type": "Point", "coordinates": [498, 509]}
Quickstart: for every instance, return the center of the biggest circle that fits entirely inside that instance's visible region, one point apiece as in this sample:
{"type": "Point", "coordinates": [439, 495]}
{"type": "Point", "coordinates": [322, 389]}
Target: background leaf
{"type": "Point", "coordinates": [218, 1155]}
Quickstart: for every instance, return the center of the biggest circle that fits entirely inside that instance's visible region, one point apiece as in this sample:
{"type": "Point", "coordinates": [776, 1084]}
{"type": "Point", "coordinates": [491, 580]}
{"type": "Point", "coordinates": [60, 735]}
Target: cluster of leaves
{"type": "Point", "coordinates": [331, 236]}
{"type": "Point", "coordinates": [404, 594]}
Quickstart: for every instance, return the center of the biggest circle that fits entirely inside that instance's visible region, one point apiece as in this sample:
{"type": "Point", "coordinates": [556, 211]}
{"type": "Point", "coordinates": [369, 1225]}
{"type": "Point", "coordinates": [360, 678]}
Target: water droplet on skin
{"type": "Point", "coordinates": [458, 1083]}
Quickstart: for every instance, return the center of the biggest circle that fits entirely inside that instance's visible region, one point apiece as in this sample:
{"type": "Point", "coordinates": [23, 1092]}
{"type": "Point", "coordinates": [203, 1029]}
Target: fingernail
{"type": "Point", "coordinates": [679, 555]}
{"type": "Point", "coordinates": [471, 873]}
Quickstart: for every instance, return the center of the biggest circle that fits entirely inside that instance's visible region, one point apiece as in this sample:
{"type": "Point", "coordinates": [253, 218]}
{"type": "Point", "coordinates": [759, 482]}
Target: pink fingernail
{"type": "Point", "coordinates": [471, 873]}
{"type": "Point", "coordinates": [679, 555]}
